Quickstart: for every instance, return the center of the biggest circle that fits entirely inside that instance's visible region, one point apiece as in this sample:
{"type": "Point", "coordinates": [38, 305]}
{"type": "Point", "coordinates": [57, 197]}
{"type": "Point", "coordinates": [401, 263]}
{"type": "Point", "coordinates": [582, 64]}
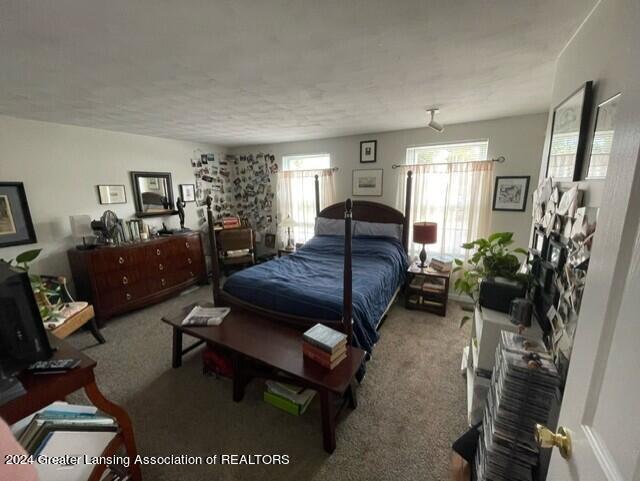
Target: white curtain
{"type": "Point", "coordinates": [296, 199]}
{"type": "Point", "coordinates": [456, 196]}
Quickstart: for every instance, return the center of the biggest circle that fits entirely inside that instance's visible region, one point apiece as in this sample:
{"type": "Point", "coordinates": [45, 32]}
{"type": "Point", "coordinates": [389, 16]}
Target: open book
{"type": "Point", "coordinates": [205, 316]}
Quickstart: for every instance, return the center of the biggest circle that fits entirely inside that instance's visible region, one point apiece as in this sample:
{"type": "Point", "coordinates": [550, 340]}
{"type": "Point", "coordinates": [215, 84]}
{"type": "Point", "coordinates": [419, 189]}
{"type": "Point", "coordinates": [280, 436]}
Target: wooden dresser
{"type": "Point", "coordinates": [119, 279]}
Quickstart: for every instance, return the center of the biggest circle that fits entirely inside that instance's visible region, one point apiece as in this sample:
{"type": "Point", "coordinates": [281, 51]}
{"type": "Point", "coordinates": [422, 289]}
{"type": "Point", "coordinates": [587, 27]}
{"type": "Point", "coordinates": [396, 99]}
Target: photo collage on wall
{"type": "Point", "coordinates": [561, 248]}
{"type": "Point", "coordinates": [239, 185]}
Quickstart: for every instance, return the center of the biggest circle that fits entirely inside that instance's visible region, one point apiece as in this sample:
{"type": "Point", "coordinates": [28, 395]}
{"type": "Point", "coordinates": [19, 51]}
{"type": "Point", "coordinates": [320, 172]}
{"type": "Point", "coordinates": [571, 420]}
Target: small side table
{"type": "Point", "coordinates": [427, 290]}
{"type": "Point", "coordinates": [285, 252]}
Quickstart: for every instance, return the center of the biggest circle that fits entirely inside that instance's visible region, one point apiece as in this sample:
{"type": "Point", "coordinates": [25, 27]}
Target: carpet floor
{"type": "Point", "coordinates": [412, 404]}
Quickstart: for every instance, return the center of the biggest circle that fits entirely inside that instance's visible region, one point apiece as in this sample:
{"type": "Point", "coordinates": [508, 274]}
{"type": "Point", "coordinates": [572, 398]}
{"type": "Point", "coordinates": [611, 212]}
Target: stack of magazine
{"type": "Point", "coordinates": [292, 399]}
{"type": "Point", "coordinates": [66, 429]}
{"type": "Point", "coordinates": [523, 387]}
{"type": "Point", "coordinates": [205, 316]}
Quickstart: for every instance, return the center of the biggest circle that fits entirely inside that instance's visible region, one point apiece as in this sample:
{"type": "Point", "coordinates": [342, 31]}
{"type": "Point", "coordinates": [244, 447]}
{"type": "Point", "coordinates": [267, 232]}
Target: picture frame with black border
{"type": "Point", "coordinates": [510, 193]}
{"type": "Point", "coordinates": [583, 95]}
{"type": "Point", "coordinates": [16, 225]}
{"type": "Point", "coordinates": [368, 151]}
{"type": "Point", "coordinates": [187, 192]}
{"type": "Point", "coordinates": [539, 242]}
{"type": "Point", "coordinates": [556, 254]}
{"type": "Point", "coordinates": [112, 194]}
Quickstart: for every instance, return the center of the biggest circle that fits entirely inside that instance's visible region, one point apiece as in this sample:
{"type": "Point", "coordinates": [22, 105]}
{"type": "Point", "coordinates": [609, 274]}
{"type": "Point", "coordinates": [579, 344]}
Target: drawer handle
{"type": "Point", "coordinates": [189, 260]}
{"type": "Point", "coordinates": [163, 282]}
{"type": "Point", "coordinates": [157, 252]}
{"type": "Point", "coordinates": [121, 260]}
{"type": "Point", "coordinates": [161, 267]}
{"type": "Point", "coordinates": [125, 280]}
{"type": "Point", "coordinates": [128, 296]}
{"type": "Point", "coordinates": [186, 245]}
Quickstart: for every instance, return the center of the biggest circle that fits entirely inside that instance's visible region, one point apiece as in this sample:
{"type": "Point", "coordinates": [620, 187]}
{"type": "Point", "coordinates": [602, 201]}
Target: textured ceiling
{"type": "Point", "coordinates": [239, 72]}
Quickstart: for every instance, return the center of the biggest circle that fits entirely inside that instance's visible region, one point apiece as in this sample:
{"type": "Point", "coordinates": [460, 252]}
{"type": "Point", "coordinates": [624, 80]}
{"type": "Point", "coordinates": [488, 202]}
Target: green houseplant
{"type": "Point", "coordinates": [42, 293]}
{"type": "Point", "coordinates": [493, 257]}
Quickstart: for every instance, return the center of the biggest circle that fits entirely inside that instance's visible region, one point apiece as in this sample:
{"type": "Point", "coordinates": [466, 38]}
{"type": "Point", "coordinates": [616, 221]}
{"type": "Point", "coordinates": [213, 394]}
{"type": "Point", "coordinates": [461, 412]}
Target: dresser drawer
{"type": "Point", "coordinates": [119, 279]}
{"type": "Point", "coordinates": [107, 260]}
{"type": "Point", "coordinates": [123, 295]}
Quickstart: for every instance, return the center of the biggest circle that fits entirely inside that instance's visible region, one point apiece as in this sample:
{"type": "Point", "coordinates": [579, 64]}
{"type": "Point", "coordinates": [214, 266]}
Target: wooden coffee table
{"type": "Point", "coordinates": [267, 349]}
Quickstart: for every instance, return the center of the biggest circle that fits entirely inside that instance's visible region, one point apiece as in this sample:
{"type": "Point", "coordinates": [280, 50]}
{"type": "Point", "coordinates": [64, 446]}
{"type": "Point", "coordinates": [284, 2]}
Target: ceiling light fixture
{"type": "Point", "coordinates": [438, 127]}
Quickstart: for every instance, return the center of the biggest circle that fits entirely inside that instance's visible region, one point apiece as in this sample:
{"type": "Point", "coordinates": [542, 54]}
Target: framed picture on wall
{"type": "Point", "coordinates": [16, 226]}
{"type": "Point", "coordinates": [568, 134]}
{"type": "Point", "coordinates": [368, 150]}
{"type": "Point", "coordinates": [603, 138]}
{"type": "Point", "coordinates": [188, 192]}
{"type": "Point", "coordinates": [510, 193]}
{"type": "Point", "coordinates": [112, 194]}
{"type": "Point", "coordinates": [367, 182]}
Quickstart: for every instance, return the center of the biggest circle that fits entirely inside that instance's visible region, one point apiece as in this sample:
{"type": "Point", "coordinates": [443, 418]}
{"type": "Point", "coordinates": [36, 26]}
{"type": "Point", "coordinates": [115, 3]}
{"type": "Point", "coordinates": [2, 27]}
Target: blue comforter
{"type": "Point", "coordinates": [309, 282]}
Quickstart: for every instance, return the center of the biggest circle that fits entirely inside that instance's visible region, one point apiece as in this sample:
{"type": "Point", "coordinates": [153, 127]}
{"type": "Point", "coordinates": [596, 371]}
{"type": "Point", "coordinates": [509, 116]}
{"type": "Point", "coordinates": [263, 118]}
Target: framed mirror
{"type": "Point", "coordinates": [603, 138]}
{"type": "Point", "coordinates": [153, 193]}
{"type": "Point", "coordinates": [568, 133]}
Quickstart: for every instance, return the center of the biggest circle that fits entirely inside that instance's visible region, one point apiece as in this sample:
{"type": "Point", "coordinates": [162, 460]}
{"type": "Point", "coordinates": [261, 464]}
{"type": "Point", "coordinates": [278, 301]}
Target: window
{"type": "Point", "coordinates": [452, 187]}
{"type": "Point", "coordinates": [460, 152]}
{"type": "Point", "coordinates": [306, 162]}
{"type": "Point", "coordinates": [296, 192]}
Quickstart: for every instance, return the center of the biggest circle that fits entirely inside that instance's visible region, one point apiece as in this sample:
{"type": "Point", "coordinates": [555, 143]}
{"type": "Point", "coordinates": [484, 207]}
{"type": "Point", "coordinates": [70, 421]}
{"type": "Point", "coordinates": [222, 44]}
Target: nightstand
{"type": "Point", "coordinates": [427, 290]}
{"type": "Point", "coordinates": [285, 252]}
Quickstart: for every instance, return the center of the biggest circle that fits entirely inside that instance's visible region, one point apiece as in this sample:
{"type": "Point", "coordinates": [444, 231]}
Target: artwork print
{"type": "Point", "coordinates": [510, 193]}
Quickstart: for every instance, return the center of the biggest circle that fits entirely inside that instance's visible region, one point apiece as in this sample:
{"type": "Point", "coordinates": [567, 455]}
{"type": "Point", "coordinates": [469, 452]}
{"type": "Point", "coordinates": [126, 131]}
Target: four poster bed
{"type": "Point", "coordinates": [347, 281]}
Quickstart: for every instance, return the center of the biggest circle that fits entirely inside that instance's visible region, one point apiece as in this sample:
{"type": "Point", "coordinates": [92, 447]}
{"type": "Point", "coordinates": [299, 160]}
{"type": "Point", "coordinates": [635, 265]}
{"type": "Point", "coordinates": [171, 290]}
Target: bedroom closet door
{"type": "Point", "coordinates": [601, 400]}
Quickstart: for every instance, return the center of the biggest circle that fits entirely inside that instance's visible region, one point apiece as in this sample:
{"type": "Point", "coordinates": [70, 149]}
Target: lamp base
{"type": "Point", "coordinates": [423, 257]}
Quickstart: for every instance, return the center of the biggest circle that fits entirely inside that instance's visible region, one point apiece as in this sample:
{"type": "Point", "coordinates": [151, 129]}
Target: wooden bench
{"type": "Point", "coordinates": [267, 349]}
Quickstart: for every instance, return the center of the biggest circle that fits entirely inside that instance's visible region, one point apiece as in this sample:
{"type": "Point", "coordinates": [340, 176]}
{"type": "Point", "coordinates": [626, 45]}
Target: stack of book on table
{"type": "Point", "coordinates": [428, 284]}
{"type": "Point", "coordinates": [441, 263]}
{"type": "Point", "coordinates": [292, 399]}
{"type": "Point", "coordinates": [324, 345]}
{"type": "Point", "coordinates": [65, 429]}
{"type": "Point", "coordinates": [524, 385]}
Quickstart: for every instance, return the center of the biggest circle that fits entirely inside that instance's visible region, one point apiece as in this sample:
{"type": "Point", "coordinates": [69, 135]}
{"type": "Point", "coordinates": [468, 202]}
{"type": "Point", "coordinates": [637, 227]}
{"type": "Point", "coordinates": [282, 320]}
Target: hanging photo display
{"type": "Point", "coordinates": [561, 245]}
{"type": "Point", "coordinates": [238, 184]}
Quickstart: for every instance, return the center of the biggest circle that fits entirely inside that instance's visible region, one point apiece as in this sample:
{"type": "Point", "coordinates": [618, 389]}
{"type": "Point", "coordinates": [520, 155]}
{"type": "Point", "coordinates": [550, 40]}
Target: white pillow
{"type": "Point", "coordinates": [378, 229]}
{"type": "Point", "coordinates": [326, 226]}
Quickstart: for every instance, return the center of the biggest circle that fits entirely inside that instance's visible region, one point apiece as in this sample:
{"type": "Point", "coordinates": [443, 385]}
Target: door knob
{"type": "Point", "coordinates": [548, 439]}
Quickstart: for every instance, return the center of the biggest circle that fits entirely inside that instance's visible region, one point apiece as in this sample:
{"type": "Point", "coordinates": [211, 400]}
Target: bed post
{"type": "Point", "coordinates": [317, 186]}
{"type": "Point", "coordinates": [347, 305]}
{"type": "Point", "coordinates": [407, 212]}
{"type": "Point", "coordinates": [213, 247]}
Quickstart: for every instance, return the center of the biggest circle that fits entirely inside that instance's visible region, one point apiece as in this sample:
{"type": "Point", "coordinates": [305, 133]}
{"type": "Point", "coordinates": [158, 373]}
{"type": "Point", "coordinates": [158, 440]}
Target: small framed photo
{"type": "Point", "coordinates": [367, 182]}
{"type": "Point", "coordinates": [16, 226]}
{"type": "Point", "coordinates": [188, 192]}
{"type": "Point", "coordinates": [556, 254]}
{"type": "Point", "coordinates": [112, 194]}
{"type": "Point", "coordinates": [368, 150]}
{"type": "Point", "coordinates": [539, 243]}
{"type": "Point", "coordinates": [510, 193]}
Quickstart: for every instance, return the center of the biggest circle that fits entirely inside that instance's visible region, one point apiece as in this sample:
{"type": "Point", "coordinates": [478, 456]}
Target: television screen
{"type": "Point", "coordinates": [23, 339]}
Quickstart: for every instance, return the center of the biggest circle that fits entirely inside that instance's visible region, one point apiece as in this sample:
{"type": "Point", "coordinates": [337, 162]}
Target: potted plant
{"type": "Point", "coordinates": [493, 257]}
{"type": "Point", "coordinates": [41, 291]}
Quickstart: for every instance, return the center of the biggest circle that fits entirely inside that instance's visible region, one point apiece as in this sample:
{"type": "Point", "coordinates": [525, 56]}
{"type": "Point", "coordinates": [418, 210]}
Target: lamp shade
{"type": "Point", "coordinates": [425, 232]}
{"type": "Point", "coordinates": [288, 222]}
{"type": "Point", "coordinates": [80, 226]}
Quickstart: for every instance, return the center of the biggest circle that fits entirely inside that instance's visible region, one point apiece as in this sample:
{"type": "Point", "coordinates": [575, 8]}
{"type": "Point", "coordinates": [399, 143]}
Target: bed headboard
{"type": "Point", "coordinates": [367, 211]}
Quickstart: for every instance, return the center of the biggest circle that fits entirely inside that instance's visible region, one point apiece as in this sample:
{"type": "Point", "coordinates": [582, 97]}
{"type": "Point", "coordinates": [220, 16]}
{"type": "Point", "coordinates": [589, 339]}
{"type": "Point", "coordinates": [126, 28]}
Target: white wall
{"type": "Point", "coordinates": [519, 139]}
{"type": "Point", "coordinates": [600, 56]}
{"type": "Point", "coordinates": [61, 165]}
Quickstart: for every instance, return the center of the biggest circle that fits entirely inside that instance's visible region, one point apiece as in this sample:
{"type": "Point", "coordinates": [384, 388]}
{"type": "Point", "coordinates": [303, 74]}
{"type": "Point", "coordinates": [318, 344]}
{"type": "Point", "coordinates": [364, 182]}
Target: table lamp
{"type": "Point", "coordinates": [425, 233]}
{"type": "Point", "coordinates": [81, 228]}
{"type": "Point", "coordinates": [289, 223]}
